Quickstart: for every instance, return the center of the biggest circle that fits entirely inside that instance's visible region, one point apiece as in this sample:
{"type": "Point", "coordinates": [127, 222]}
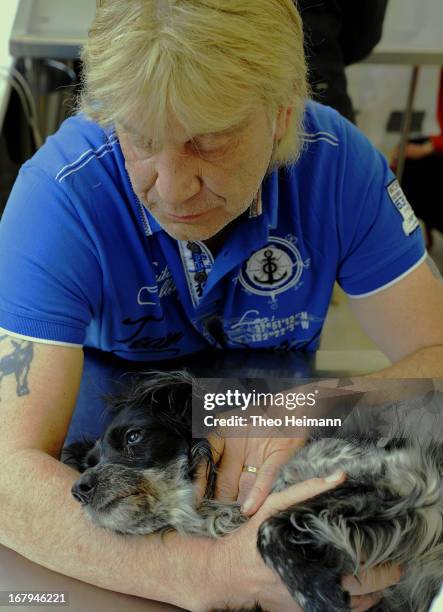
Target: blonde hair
{"type": "Point", "coordinates": [209, 62]}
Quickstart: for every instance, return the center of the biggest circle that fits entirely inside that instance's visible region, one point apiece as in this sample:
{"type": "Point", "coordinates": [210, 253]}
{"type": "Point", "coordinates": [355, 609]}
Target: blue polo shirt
{"type": "Point", "coordinates": [83, 263]}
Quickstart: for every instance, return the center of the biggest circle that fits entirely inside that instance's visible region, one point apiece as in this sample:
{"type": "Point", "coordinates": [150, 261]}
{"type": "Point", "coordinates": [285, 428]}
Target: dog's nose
{"type": "Point", "coordinates": [83, 489]}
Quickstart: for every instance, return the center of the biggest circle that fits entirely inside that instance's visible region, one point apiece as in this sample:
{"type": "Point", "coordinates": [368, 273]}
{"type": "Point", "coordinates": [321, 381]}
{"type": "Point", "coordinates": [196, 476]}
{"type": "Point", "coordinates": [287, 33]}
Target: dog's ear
{"type": "Point", "coordinates": [74, 454]}
{"type": "Point", "coordinates": [165, 396]}
{"type": "Point", "coordinates": [200, 452]}
{"type": "Point", "coordinates": [170, 393]}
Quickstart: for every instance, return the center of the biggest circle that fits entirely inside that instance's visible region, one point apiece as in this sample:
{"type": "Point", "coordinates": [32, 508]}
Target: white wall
{"type": "Point", "coordinates": [378, 90]}
{"type": "Point", "coordinates": [414, 23]}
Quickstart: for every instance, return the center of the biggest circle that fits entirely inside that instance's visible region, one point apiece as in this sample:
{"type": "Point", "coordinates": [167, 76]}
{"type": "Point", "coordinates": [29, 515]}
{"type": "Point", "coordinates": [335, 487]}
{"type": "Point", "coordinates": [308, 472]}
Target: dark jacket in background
{"type": "Point", "coordinates": [338, 33]}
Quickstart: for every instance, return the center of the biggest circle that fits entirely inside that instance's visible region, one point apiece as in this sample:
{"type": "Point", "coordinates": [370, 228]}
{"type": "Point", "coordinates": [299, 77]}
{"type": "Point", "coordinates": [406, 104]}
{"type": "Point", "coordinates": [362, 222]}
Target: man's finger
{"type": "Point", "coordinates": [375, 579]}
{"type": "Point", "coordinates": [245, 486]}
{"type": "Point", "coordinates": [298, 493]}
{"type": "Point", "coordinates": [260, 489]}
{"type": "Point", "coordinates": [361, 603]}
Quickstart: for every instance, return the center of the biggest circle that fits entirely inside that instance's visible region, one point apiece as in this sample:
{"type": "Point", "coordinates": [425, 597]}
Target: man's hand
{"type": "Point", "coordinates": [247, 579]}
{"type": "Point", "coordinates": [237, 576]}
{"type": "Point", "coordinates": [268, 454]}
{"type": "Point", "coordinates": [365, 588]}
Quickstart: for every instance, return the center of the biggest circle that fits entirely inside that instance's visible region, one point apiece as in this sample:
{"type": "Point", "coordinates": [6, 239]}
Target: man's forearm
{"type": "Point", "coordinates": [425, 363]}
{"type": "Point", "coordinates": [405, 379]}
{"type": "Point", "coordinates": [402, 379]}
{"type": "Point", "coordinates": [40, 520]}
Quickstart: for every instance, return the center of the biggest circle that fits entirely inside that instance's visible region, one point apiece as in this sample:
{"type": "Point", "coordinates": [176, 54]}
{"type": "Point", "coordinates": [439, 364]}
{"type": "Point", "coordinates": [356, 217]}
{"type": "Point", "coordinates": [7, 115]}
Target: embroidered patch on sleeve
{"type": "Point", "coordinates": [410, 221]}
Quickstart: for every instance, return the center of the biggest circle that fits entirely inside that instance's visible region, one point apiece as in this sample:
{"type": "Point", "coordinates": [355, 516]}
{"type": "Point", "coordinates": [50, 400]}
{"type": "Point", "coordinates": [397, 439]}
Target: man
{"type": "Point", "coordinates": [186, 222]}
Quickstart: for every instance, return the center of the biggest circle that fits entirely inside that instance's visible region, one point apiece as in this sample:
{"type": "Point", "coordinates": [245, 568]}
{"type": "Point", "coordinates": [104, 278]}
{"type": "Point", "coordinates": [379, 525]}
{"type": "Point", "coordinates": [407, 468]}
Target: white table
{"type": "Point", "coordinates": [19, 574]}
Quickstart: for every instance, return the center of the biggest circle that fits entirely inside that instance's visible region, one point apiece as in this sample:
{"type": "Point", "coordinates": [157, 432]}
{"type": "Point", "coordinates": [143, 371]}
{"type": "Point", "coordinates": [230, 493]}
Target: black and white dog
{"type": "Point", "coordinates": [138, 478]}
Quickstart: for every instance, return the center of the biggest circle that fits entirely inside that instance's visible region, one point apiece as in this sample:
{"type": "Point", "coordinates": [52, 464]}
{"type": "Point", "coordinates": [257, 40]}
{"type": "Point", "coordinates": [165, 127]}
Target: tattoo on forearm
{"type": "Point", "coordinates": [15, 359]}
{"type": "Point", "coordinates": [433, 268]}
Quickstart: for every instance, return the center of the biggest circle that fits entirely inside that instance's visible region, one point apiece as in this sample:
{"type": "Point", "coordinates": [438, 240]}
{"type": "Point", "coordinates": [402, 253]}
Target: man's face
{"type": "Point", "coordinates": [195, 187]}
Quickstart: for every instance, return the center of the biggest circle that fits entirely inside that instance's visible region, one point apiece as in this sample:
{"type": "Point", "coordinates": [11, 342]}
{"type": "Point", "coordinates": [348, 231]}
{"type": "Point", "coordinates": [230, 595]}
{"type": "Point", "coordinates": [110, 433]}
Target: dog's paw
{"type": "Point", "coordinates": [221, 518]}
{"type": "Point", "coordinates": [310, 569]}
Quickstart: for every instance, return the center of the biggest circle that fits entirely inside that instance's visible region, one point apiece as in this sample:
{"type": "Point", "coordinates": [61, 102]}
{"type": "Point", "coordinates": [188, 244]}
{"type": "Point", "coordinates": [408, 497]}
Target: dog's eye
{"type": "Point", "coordinates": [91, 461]}
{"type": "Point", "coordinates": [133, 436]}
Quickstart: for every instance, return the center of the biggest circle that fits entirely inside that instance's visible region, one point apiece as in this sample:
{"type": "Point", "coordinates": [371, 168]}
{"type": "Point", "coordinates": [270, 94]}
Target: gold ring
{"type": "Point", "coordinates": [250, 468]}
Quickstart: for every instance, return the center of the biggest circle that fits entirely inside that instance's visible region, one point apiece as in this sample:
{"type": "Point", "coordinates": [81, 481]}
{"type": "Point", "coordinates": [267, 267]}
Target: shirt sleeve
{"type": "Point", "coordinates": [49, 273]}
{"type": "Point", "coordinates": [379, 236]}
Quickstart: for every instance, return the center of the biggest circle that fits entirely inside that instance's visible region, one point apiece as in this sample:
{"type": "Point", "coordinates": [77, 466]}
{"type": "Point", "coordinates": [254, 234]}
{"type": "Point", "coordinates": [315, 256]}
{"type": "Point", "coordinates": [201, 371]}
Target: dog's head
{"type": "Point", "coordinates": [137, 478]}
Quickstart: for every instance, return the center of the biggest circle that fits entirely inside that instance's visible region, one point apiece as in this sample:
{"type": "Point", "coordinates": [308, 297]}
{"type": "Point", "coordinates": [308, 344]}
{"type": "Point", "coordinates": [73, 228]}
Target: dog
{"type": "Point", "coordinates": [138, 479]}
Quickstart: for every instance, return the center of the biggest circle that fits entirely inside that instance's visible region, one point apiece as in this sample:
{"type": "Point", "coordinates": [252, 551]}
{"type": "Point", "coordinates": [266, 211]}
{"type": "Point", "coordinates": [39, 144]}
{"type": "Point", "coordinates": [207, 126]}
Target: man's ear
{"type": "Point", "coordinates": [282, 121]}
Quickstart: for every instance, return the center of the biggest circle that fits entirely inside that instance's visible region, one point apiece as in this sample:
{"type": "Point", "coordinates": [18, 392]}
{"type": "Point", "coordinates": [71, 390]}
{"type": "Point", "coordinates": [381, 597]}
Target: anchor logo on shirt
{"type": "Point", "coordinates": [270, 267]}
{"type": "Point", "coordinates": [274, 268]}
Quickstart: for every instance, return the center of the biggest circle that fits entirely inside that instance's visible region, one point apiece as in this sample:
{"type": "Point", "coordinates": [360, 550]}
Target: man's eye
{"type": "Point", "coordinates": [209, 151]}
{"type": "Point", "coordinates": [204, 149]}
{"type": "Point", "coordinates": [133, 436]}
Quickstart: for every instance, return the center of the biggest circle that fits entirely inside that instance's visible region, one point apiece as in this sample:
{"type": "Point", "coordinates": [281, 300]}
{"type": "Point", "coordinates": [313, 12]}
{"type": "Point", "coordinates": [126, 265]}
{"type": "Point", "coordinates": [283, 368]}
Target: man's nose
{"type": "Point", "coordinates": [83, 489]}
{"type": "Point", "coordinates": [178, 177]}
